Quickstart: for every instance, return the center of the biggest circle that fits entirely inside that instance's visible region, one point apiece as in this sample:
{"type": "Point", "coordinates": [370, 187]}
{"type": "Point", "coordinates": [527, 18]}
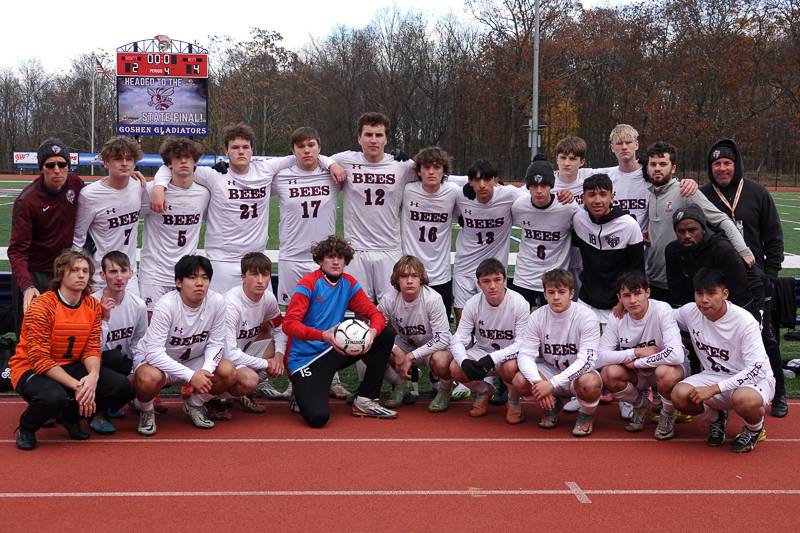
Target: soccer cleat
{"type": "Point", "coordinates": [460, 392]}
{"type": "Point", "coordinates": [338, 390]}
{"type": "Point", "coordinates": [440, 402]}
{"type": "Point", "coordinates": [265, 389]}
{"type": "Point", "coordinates": [396, 398]}
{"type": "Point", "coordinates": [636, 422]}
{"type": "Point", "coordinates": [666, 427]}
{"type": "Point", "coordinates": [584, 425]}
{"type": "Point", "coordinates": [293, 405]}
{"type": "Point", "coordinates": [410, 397]}
{"type": "Point", "coordinates": [779, 406]}
{"type": "Point", "coordinates": [197, 415]}
{"type": "Point", "coordinates": [514, 413]}
{"type": "Point", "coordinates": [625, 410]}
{"type": "Point", "coordinates": [26, 440]}
{"type": "Point", "coordinates": [747, 439]}
{"type": "Point", "coordinates": [480, 404]}
{"type": "Point", "coordinates": [147, 423]}
{"type": "Point", "coordinates": [217, 410]}
{"type": "Point", "coordinates": [716, 430]}
{"type": "Point", "coordinates": [572, 406]}
{"type": "Point", "coordinates": [73, 430]}
{"type": "Point", "coordinates": [549, 418]}
{"type": "Point", "coordinates": [248, 405]}
{"type": "Point", "coordinates": [367, 408]}
{"type": "Point", "coordinates": [100, 424]}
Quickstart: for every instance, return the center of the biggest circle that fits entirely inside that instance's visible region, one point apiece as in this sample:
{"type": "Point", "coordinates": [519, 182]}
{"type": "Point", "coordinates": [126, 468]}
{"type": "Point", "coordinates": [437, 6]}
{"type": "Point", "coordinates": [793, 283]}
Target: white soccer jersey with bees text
{"type": "Point", "coordinates": [126, 325]}
{"type": "Point", "coordinates": [492, 328]}
{"type": "Point", "coordinates": [245, 320]}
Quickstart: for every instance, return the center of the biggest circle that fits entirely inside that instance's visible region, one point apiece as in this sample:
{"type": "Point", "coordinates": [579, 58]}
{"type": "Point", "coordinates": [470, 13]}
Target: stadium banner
{"type": "Point", "coordinates": [28, 159]}
{"type": "Point", "coordinates": [162, 106]}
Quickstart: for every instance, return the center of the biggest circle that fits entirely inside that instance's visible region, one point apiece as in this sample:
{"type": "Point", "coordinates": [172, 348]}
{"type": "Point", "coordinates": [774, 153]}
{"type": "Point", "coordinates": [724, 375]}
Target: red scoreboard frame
{"type": "Point", "coordinates": [155, 64]}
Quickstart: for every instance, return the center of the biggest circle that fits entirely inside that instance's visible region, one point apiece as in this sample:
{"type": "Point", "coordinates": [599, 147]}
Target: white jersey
{"type": "Point", "coordinates": [427, 227]}
{"type": "Point", "coordinates": [656, 328]}
{"type": "Point", "coordinates": [567, 341]}
{"type": "Point", "coordinates": [373, 195]}
{"type": "Point", "coordinates": [126, 325]}
{"type": "Point", "coordinates": [492, 328]}
{"type": "Point", "coordinates": [575, 187]}
{"type": "Point", "coordinates": [111, 217]}
{"type": "Point", "coordinates": [170, 235]}
{"type": "Point", "coordinates": [545, 239]}
{"type": "Point", "coordinates": [180, 337]}
{"type": "Point", "coordinates": [308, 201]}
{"type": "Point", "coordinates": [487, 229]}
{"type": "Point", "coordinates": [730, 347]}
{"type": "Point", "coordinates": [631, 192]}
{"type": "Point", "coordinates": [244, 321]}
{"type": "Point", "coordinates": [422, 326]}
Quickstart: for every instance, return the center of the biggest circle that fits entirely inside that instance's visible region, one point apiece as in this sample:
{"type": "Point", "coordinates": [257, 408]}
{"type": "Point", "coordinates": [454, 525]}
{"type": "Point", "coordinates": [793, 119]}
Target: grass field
{"type": "Point", "coordinates": [788, 203]}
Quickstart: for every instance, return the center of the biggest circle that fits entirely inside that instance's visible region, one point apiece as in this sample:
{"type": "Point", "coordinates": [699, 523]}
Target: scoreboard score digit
{"type": "Point", "coordinates": [162, 64]}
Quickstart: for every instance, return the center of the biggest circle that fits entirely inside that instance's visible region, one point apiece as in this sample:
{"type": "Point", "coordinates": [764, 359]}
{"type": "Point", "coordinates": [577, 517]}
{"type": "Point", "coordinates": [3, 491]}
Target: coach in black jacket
{"type": "Point", "coordinates": [753, 210]}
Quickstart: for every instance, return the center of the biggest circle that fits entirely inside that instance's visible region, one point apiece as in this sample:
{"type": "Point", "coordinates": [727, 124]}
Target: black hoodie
{"type": "Point", "coordinates": [755, 212]}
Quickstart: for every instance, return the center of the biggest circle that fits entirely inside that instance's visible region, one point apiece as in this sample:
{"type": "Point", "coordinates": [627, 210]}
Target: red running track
{"type": "Point", "coordinates": [419, 472]}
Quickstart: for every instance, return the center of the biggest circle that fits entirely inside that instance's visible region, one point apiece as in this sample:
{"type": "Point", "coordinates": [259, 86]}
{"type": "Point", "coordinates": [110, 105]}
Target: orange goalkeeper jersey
{"type": "Point", "coordinates": [55, 333]}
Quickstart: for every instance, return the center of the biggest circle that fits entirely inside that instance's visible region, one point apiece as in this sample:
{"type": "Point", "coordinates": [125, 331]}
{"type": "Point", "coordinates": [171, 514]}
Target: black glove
{"type": "Point", "coordinates": [477, 370]}
{"type": "Point", "coordinates": [221, 167]}
{"type": "Point", "coordinates": [469, 192]}
{"type": "Point", "coordinates": [399, 155]}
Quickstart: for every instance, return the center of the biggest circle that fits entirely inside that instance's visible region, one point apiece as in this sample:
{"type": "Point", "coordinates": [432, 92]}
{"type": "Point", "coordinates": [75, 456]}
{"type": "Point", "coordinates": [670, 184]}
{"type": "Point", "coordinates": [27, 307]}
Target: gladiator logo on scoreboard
{"type": "Point", "coordinates": [161, 90]}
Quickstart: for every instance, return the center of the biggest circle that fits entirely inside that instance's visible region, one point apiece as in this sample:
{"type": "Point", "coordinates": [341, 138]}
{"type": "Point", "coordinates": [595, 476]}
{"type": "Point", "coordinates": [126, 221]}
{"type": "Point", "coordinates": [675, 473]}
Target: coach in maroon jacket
{"type": "Point", "coordinates": [42, 225]}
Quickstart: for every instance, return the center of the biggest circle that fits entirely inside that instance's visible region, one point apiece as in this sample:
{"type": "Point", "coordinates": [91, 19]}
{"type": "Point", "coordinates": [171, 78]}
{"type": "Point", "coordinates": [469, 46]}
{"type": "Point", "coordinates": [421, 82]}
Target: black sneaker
{"type": "Point", "coordinates": [779, 406]}
{"type": "Point", "coordinates": [716, 430]}
{"type": "Point", "coordinates": [74, 430]}
{"type": "Point", "coordinates": [26, 440]}
{"type": "Point", "coordinates": [747, 439]}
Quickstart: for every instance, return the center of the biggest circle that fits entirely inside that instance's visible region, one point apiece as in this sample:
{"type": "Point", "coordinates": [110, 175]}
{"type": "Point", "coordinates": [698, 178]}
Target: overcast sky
{"type": "Point", "coordinates": [57, 32]}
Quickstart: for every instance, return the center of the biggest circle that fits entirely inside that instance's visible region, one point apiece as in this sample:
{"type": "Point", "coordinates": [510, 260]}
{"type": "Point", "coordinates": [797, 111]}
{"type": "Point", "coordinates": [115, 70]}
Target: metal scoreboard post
{"type": "Point", "coordinates": [162, 88]}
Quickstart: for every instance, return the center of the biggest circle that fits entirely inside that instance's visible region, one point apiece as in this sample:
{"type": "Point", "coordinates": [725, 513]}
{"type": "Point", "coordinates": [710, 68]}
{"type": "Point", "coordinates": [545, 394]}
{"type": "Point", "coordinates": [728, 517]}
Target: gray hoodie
{"type": "Point", "coordinates": [662, 204]}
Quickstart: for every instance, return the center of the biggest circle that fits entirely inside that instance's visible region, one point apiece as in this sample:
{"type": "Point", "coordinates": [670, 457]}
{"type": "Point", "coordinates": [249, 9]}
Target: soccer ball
{"type": "Point", "coordinates": [351, 336]}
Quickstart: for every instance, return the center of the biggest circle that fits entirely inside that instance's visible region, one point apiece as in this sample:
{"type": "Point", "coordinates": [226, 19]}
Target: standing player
{"type": "Point", "coordinates": [428, 207]}
{"type": "Point", "coordinates": [108, 209]}
{"type": "Point", "coordinates": [416, 312]}
{"type": "Point", "coordinates": [546, 234]}
{"type": "Point", "coordinates": [373, 194]}
{"type": "Point", "coordinates": [570, 158]}
{"type": "Point", "coordinates": [491, 320]}
{"type": "Point", "coordinates": [184, 345]}
{"type": "Point", "coordinates": [486, 231]}
{"type": "Point", "coordinates": [556, 353]}
{"type": "Point", "coordinates": [238, 211]}
{"type": "Point", "coordinates": [249, 309]}
{"type": "Point", "coordinates": [170, 235]}
{"type": "Point", "coordinates": [736, 372]}
{"type": "Point", "coordinates": [641, 350]}
{"type": "Point", "coordinates": [317, 307]}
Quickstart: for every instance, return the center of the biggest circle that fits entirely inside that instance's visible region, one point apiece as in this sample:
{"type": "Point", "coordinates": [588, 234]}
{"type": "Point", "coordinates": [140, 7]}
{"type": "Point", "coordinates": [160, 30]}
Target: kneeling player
{"type": "Point", "coordinates": [184, 345]}
{"type": "Point", "coordinates": [493, 318]}
{"type": "Point", "coordinates": [557, 352]}
{"type": "Point", "coordinates": [249, 309]}
{"type": "Point", "coordinates": [641, 350]}
{"type": "Point", "coordinates": [418, 315]}
{"type": "Point", "coordinates": [736, 373]}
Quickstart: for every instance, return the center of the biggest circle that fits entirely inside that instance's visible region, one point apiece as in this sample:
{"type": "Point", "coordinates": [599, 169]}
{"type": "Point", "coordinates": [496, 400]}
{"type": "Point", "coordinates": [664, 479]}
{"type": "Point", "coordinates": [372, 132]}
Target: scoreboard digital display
{"type": "Point", "coordinates": [162, 64]}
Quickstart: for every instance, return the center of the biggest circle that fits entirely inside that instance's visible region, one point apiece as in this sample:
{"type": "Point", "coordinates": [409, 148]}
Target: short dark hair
{"type": "Point", "coordinates": [304, 134]}
{"type": "Point", "coordinates": [558, 277]}
{"type": "Point", "coordinates": [333, 245]}
{"type": "Point", "coordinates": [256, 262]}
{"type": "Point", "coordinates": [490, 266]}
{"type": "Point", "coordinates": [598, 182]}
{"type": "Point", "coordinates": [433, 155]}
{"type": "Point", "coordinates": [660, 148]}
{"type": "Point", "coordinates": [190, 264]}
{"type": "Point", "coordinates": [240, 130]}
{"type": "Point", "coordinates": [373, 119]}
{"type": "Point", "coordinates": [482, 169]}
{"type": "Point", "coordinates": [174, 147]}
{"type": "Point", "coordinates": [64, 262]}
{"type": "Point", "coordinates": [709, 278]}
{"type": "Point", "coordinates": [405, 264]}
{"type": "Point", "coordinates": [633, 280]}
{"type": "Point", "coordinates": [115, 256]}
{"type": "Point", "coordinates": [572, 145]}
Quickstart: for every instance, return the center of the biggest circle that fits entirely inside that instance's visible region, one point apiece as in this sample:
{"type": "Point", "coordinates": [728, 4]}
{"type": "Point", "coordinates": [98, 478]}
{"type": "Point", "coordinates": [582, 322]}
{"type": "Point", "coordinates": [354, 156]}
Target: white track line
{"type": "Point", "coordinates": [347, 440]}
{"type": "Point", "coordinates": [573, 490]}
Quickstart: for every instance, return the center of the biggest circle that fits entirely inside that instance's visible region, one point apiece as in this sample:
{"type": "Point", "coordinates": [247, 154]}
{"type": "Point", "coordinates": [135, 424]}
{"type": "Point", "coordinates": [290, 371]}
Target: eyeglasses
{"type": "Point", "coordinates": [52, 164]}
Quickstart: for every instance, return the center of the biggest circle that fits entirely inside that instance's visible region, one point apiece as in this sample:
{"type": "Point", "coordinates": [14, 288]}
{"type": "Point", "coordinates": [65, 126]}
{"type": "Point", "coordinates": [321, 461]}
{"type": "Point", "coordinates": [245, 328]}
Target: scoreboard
{"type": "Point", "coordinates": [162, 64]}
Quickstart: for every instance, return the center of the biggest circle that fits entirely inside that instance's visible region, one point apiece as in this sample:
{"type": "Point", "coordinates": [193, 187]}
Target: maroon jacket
{"type": "Point", "coordinates": [42, 224]}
